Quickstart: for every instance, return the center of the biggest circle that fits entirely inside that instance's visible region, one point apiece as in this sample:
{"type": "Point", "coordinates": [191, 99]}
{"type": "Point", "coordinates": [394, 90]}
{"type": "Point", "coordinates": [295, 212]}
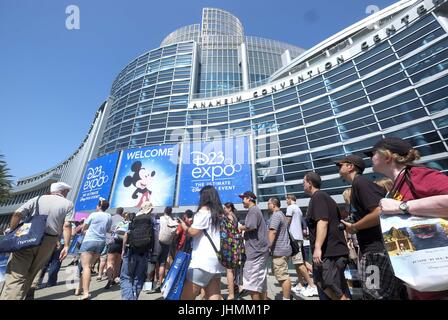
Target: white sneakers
{"type": "Point", "coordinates": [305, 291]}
{"type": "Point", "coordinates": [309, 291]}
{"type": "Point", "coordinates": [297, 288]}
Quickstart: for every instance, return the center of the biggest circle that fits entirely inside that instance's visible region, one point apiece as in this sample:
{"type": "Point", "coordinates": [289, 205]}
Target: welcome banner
{"type": "Point", "coordinates": [146, 174]}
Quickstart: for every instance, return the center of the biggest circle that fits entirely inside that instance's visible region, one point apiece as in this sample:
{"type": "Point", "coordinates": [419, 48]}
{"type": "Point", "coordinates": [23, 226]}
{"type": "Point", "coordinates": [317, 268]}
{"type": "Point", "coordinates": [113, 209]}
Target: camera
{"type": "Point", "coordinates": [350, 219]}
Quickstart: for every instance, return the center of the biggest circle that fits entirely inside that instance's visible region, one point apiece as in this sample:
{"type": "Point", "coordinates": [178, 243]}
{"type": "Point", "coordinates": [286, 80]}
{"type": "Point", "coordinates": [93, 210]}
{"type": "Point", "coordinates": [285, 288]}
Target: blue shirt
{"type": "Point", "coordinates": [99, 224]}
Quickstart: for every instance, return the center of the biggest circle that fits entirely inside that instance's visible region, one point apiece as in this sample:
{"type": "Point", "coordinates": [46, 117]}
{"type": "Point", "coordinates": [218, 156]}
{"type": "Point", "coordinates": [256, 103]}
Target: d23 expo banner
{"type": "Point", "coordinates": [146, 174]}
{"type": "Point", "coordinates": [224, 164]}
{"type": "Point", "coordinates": [97, 182]}
{"type": "Point", "coordinates": [418, 250]}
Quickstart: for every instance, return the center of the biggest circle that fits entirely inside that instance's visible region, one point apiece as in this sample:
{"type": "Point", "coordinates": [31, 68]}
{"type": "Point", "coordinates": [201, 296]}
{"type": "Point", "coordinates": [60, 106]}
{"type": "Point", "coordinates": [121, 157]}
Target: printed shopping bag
{"type": "Point", "coordinates": [27, 234]}
{"type": "Point", "coordinates": [418, 250]}
{"type": "Point", "coordinates": [174, 281]}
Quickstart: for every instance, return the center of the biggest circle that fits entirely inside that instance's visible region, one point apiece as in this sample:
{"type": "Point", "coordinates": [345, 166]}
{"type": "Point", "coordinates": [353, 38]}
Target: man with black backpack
{"type": "Point", "coordinates": [137, 246]}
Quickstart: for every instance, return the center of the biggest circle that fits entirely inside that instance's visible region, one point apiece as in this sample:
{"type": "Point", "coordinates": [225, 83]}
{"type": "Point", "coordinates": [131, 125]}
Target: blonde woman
{"type": "Point", "coordinates": [417, 190]}
{"type": "Point", "coordinates": [385, 183]}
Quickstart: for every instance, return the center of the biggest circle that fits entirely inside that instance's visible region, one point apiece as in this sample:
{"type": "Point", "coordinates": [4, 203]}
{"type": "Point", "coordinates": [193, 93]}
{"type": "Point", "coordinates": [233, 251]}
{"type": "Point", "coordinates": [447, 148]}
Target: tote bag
{"type": "Point", "coordinates": [417, 247]}
{"type": "Point", "coordinates": [27, 234]}
{"type": "Point", "coordinates": [174, 281]}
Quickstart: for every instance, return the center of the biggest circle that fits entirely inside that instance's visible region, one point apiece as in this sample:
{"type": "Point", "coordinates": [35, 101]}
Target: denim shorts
{"type": "Point", "coordinates": [200, 277]}
{"type": "Point", "coordinates": [92, 247]}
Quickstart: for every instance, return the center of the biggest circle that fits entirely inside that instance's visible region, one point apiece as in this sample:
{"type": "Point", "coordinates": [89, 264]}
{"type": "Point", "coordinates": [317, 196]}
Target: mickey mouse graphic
{"type": "Point", "coordinates": [142, 180]}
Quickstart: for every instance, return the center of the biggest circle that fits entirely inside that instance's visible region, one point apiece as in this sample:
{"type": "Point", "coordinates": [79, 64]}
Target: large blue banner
{"type": "Point", "coordinates": [224, 164]}
{"type": "Point", "coordinates": [146, 174]}
{"type": "Point", "coordinates": [97, 182]}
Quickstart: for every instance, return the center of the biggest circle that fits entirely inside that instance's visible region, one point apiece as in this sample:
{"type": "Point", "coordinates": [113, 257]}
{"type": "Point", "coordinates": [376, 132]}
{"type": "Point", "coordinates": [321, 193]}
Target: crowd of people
{"type": "Point", "coordinates": [125, 244]}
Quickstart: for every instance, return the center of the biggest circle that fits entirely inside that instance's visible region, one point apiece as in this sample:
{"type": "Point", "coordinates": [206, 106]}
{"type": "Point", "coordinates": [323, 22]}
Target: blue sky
{"type": "Point", "coordinates": [52, 80]}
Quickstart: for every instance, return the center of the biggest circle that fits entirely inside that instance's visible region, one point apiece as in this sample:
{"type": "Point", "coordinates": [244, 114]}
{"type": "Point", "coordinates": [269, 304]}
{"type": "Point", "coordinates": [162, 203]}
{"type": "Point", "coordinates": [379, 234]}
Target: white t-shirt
{"type": "Point", "coordinates": [203, 256]}
{"type": "Point", "coordinates": [296, 223]}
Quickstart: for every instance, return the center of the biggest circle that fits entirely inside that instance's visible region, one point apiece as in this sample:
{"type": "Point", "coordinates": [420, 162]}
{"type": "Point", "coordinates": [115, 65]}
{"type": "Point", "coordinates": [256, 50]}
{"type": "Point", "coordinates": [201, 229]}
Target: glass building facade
{"type": "Point", "coordinates": [302, 113]}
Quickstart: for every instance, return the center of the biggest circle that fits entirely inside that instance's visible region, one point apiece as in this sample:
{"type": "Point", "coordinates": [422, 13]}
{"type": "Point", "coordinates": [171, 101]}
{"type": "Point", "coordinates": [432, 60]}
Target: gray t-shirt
{"type": "Point", "coordinates": [116, 219]}
{"type": "Point", "coordinates": [256, 241]}
{"type": "Point", "coordinates": [55, 206]}
{"type": "Point", "coordinates": [282, 246]}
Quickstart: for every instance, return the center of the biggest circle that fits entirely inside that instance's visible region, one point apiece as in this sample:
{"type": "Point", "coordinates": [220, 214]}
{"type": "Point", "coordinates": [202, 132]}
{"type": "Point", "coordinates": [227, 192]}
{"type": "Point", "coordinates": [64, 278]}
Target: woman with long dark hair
{"type": "Point", "coordinates": [204, 271]}
{"type": "Point", "coordinates": [230, 212]}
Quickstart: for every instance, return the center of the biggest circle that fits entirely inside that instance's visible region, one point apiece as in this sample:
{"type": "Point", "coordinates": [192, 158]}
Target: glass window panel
{"type": "Point", "coordinates": [390, 89]}
{"type": "Point", "coordinates": [433, 85]}
{"type": "Point", "coordinates": [441, 122]}
{"type": "Point", "coordinates": [313, 94]}
{"type": "Point", "coordinates": [377, 65]}
{"type": "Point", "coordinates": [355, 133]}
{"type": "Point", "coordinates": [405, 107]}
{"type": "Point", "coordinates": [378, 57]}
{"type": "Point", "coordinates": [321, 126]}
{"type": "Point", "coordinates": [361, 146]}
{"type": "Point", "coordinates": [416, 129]}
{"type": "Point", "coordinates": [411, 64]}
{"type": "Point", "coordinates": [419, 39]}
{"type": "Point", "coordinates": [412, 28]}
{"type": "Point", "coordinates": [403, 118]}
{"type": "Point", "coordinates": [326, 157]}
{"type": "Point", "coordinates": [324, 141]}
{"type": "Point", "coordinates": [348, 79]}
{"type": "Point", "coordinates": [372, 52]}
{"type": "Point", "coordinates": [340, 71]}
{"type": "Point", "coordinates": [354, 116]}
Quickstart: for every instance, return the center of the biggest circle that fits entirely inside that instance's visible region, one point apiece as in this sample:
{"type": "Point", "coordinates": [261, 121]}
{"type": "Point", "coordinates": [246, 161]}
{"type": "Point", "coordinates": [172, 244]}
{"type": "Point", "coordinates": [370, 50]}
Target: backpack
{"type": "Point", "coordinates": [167, 233]}
{"type": "Point", "coordinates": [232, 253]}
{"type": "Point", "coordinates": [141, 234]}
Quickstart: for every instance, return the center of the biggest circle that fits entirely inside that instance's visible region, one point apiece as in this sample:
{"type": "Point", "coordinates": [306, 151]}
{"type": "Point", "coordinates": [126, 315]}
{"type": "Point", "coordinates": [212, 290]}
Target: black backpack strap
{"type": "Point", "coordinates": [397, 185]}
{"type": "Point", "coordinates": [35, 211]}
{"type": "Point", "coordinates": [211, 241]}
{"type": "Point", "coordinates": [404, 178]}
{"type": "Point", "coordinates": [407, 175]}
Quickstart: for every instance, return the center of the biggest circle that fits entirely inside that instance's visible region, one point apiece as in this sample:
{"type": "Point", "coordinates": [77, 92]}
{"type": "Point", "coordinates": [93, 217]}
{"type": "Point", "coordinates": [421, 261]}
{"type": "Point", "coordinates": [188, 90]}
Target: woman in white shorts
{"type": "Point", "coordinates": [204, 271]}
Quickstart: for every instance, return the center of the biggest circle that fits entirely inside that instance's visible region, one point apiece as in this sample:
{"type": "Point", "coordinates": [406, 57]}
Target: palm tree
{"type": "Point", "coordinates": [5, 181]}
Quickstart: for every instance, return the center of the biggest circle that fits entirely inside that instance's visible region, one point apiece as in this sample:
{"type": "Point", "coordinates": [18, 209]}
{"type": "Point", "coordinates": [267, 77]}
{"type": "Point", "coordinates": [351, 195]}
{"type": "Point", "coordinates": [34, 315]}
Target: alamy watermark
{"type": "Point", "coordinates": [73, 21]}
{"type": "Point", "coordinates": [372, 9]}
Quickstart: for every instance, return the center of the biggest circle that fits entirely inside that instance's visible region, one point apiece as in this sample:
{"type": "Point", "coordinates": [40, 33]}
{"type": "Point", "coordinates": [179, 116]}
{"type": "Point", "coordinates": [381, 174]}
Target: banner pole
{"type": "Point", "coordinates": [179, 174]}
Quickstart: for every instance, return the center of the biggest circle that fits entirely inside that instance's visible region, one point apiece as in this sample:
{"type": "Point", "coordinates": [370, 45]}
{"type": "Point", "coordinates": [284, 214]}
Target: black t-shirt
{"type": "Point", "coordinates": [323, 207]}
{"type": "Point", "coordinates": [366, 196]}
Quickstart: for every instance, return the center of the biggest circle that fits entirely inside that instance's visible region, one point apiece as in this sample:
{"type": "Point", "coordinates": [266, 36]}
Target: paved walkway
{"type": "Point", "coordinates": [65, 288]}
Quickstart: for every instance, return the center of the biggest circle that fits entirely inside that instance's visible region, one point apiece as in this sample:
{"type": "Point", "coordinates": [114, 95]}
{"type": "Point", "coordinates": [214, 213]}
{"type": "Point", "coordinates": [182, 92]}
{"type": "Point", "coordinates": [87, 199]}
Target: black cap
{"type": "Point", "coordinates": [395, 145]}
{"type": "Point", "coordinates": [248, 194]}
{"type": "Point", "coordinates": [357, 161]}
